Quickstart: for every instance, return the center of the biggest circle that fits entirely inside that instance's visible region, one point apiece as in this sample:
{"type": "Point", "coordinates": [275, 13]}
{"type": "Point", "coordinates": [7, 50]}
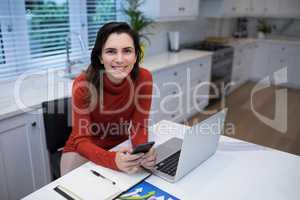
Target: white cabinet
{"type": "Point", "coordinates": [180, 91]}
{"type": "Point", "coordinates": [242, 64]}
{"type": "Point", "coordinates": [285, 56]}
{"type": "Point", "coordinates": [289, 8]}
{"type": "Point", "coordinates": [271, 57]}
{"type": "Point", "coordinates": [250, 8]}
{"type": "Point", "coordinates": [171, 10]}
{"type": "Point", "coordinates": [23, 157]}
{"type": "Point", "coordinates": [271, 8]}
{"type": "Point", "coordinates": [259, 68]}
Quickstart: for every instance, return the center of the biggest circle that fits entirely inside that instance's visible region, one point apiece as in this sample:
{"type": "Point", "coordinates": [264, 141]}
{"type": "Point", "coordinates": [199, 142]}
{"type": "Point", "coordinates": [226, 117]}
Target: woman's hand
{"type": "Point", "coordinates": [149, 159]}
{"type": "Point", "coordinates": [127, 162]}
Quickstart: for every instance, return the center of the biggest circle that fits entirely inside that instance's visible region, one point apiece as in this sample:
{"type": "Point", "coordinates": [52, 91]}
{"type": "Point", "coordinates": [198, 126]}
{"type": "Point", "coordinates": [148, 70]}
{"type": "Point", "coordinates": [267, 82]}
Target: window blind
{"type": "Point", "coordinates": [98, 13]}
{"type": "Point", "coordinates": [37, 33]}
{"type": "Point", "coordinates": [2, 58]}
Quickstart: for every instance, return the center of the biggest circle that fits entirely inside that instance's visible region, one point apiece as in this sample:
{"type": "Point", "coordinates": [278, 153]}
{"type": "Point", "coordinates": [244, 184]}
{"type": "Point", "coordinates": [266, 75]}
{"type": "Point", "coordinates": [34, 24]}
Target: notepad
{"type": "Point", "coordinates": [87, 185]}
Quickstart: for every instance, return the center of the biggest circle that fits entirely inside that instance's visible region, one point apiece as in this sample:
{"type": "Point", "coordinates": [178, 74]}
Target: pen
{"type": "Point", "coordinates": [100, 175]}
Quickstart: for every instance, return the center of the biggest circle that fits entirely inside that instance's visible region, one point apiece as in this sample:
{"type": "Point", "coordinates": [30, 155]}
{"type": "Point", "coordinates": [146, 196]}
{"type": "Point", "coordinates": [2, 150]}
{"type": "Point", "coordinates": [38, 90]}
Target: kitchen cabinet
{"type": "Point", "coordinates": [271, 8]}
{"type": "Point", "coordinates": [259, 69]}
{"type": "Point", "coordinates": [271, 57]}
{"type": "Point", "coordinates": [171, 10]}
{"type": "Point", "coordinates": [180, 91]}
{"type": "Point", "coordinates": [23, 159]}
{"type": "Point", "coordinates": [242, 64]}
{"type": "Point", "coordinates": [285, 56]}
{"type": "Point", "coordinates": [289, 8]}
{"type": "Point", "coordinates": [250, 8]}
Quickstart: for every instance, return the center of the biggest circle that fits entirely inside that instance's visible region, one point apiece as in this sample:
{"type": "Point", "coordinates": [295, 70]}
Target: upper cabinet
{"type": "Point", "coordinates": [250, 8]}
{"type": "Point", "coordinates": [171, 10]}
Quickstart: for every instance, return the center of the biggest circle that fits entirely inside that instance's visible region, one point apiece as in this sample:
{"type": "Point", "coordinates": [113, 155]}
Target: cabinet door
{"type": "Point", "coordinates": [289, 8]}
{"type": "Point", "coordinates": [231, 7]}
{"type": "Point", "coordinates": [245, 7]}
{"type": "Point", "coordinates": [271, 7]}
{"type": "Point", "coordinates": [21, 156]}
{"type": "Point", "coordinates": [294, 70]}
{"type": "Point", "coordinates": [17, 160]}
{"type": "Point", "coordinates": [257, 7]}
{"type": "Point", "coordinates": [3, 178]}
{"type": "Point", "coordinates": [168, 8]}
{"type": "Point", "coordinates": [188, 7]}
{"type": "Point", "coordinates": [261, 62]}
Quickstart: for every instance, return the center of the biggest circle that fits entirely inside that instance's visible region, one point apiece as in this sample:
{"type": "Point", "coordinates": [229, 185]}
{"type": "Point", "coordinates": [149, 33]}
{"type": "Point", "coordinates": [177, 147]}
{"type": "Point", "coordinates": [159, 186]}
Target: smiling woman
{"type": "Point", "coordinates": [113, 92]}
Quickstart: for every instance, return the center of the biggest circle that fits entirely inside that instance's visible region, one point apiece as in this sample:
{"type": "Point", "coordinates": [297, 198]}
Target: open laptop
{"type": "Point", "coordinates": [177, 157]}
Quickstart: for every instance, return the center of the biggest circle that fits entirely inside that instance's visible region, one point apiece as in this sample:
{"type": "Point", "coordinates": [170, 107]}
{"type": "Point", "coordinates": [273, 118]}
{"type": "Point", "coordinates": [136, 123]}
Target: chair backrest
{"type": "Point", "coordinates": [57, 120]}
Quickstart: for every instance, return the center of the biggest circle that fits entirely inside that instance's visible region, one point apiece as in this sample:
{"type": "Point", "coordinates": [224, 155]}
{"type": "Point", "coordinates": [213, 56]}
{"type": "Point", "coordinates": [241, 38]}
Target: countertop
{"type": "Point", "coordinates": [30, 90]}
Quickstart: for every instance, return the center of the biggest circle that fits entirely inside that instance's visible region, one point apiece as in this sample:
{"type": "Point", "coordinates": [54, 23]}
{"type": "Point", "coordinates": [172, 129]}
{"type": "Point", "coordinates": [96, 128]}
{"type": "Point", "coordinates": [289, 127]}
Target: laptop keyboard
{"type": "Point", "coordinates": [169, 165]}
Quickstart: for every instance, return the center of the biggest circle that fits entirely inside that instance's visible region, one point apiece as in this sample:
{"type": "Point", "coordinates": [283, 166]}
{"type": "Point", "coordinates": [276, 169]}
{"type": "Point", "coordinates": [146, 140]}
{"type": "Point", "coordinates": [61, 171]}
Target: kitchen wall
{"type": "Point", "coordinates": [190, 31]}
{"type": "Point", "coordinates": [284, 27]}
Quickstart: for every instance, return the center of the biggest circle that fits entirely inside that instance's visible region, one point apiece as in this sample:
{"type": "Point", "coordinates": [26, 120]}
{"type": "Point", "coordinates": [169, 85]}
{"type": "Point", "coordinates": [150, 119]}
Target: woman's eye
{"type": "Point", "coordinates": [110, 51]}
{"type": "Point", "coordinates": [128, 50]}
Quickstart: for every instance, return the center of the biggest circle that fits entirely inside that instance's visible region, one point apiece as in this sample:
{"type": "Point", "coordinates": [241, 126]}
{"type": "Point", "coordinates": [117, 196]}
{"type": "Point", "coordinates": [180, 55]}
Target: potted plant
{"type": "Point", "coordinates": [263, 28]}
{"type": "Point", "coordinates": [137, 20]}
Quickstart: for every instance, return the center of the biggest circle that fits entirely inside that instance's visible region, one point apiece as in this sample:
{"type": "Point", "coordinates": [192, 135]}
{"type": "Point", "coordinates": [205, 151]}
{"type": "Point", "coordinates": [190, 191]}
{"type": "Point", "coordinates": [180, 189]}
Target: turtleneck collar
{"type": "Point", "coordinates": [111, 87]}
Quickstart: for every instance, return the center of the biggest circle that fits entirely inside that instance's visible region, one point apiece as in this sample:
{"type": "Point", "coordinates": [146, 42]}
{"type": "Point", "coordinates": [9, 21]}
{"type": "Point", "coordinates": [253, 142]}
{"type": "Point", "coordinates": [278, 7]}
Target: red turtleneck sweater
{"type": "Point", "coordinates": [96, 129]}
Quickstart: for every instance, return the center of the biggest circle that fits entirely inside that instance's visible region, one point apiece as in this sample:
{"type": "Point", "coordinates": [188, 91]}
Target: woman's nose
{"type": "Point", "coordinates": [119, 58]}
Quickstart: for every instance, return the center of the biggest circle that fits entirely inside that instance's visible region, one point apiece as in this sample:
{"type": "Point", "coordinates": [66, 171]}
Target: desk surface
{"type": "Point", "coordinates": [238, 170]}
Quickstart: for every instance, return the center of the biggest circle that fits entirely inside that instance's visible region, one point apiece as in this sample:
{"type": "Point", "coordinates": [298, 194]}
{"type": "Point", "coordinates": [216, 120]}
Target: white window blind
{"type": "Point", "coordinates": [99, 12]}
{"type": "Point", "coordinates": [36, 33]}
{"type": "Point", "coordinates": [2, 57]}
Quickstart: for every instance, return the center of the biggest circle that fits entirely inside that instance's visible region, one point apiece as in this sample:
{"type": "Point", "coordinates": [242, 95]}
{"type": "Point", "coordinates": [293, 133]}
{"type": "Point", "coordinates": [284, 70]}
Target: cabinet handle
{"type": "Point", "coordinates": [33, 124]}
{"type": "Point", "coordinates": [173, 115]}
{"type": "Point", "coordinates": [201, 64]}
{"type": "Point", "coordinates": [282, 48]}
{"type": "Point", "coordinates": [174, 92]}
{"type": "Point", "coordinates": [175, 73]}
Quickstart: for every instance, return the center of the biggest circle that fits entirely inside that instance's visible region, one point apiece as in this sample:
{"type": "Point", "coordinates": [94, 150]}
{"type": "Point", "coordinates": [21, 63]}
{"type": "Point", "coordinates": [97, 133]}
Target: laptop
{"type": "Point", "coordinates": [177, 157]}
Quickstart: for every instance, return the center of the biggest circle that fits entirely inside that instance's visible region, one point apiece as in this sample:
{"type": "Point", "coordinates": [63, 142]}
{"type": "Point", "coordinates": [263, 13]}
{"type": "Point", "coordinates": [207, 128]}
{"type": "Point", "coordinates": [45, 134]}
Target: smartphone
{"type": "Point", "coordinates": [143, 148]}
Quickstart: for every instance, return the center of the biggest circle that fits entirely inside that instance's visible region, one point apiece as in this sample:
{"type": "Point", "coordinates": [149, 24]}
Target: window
{"type": "Point", "coordinates": [2, 56]}
{"type": "Point", "coordinates": [48, 26]}
{"type": "Point", "coordinates": [99, 12]}
{"type": "Point", "coordinates": [35, 32]}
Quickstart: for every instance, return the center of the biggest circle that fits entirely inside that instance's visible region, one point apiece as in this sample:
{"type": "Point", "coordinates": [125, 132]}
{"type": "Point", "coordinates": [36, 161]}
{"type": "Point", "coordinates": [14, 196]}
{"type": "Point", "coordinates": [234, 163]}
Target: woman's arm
{"type": "Point", "coordinates": [81, 136]}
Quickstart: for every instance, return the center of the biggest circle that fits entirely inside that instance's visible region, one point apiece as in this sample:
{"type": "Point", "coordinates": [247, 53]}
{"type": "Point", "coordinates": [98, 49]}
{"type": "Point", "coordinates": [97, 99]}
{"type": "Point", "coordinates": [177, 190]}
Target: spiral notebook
{"type": "Point", "coordinates": [93, 182]}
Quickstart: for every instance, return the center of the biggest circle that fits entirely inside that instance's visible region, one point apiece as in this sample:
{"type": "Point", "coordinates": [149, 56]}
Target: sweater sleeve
{"type": "Point", "coordinates": [82, 138]}
{"type": "Point", "coordinates": [142, 102]}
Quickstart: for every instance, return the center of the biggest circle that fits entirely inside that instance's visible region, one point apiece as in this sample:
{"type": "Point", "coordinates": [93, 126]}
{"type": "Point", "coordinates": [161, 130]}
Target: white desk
{"type": "Point", "coordinates": [238, 170]}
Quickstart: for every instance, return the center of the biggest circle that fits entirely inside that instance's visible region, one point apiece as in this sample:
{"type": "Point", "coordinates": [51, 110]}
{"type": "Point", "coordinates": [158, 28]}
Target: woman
{"type": "Point", "coordinates": [111, 103]}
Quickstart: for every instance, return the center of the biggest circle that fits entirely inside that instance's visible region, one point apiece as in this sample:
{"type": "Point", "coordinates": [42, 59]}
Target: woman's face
{"type": "Point", "coordinates": [118, 56]}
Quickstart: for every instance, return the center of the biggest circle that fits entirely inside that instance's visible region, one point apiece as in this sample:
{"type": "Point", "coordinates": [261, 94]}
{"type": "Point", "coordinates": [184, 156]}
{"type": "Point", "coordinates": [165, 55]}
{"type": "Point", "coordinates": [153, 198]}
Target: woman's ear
{"type": "Point", "coordinates": [101, 61]}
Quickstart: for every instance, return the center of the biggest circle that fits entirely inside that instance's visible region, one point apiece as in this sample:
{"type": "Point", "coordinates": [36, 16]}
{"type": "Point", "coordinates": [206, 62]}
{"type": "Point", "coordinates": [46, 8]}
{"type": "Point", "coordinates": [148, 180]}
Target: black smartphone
{"type": "Point", "coordinates": [143, 148]}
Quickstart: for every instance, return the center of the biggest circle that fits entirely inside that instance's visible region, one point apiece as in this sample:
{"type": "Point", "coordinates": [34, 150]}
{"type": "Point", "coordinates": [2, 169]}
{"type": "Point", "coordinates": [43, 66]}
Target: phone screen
{"type": "Point", "coordinates": [143, 148]}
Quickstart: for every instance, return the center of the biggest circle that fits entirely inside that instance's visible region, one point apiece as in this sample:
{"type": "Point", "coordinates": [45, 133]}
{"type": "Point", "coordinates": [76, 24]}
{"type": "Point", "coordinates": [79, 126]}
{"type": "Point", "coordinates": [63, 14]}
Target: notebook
{"type": "Point", "coordinates": [94, 182]}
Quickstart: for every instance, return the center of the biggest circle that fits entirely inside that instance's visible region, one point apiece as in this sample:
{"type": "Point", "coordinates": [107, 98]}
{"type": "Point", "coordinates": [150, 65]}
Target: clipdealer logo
{"type": "Point", "coordinates": [279, 122]}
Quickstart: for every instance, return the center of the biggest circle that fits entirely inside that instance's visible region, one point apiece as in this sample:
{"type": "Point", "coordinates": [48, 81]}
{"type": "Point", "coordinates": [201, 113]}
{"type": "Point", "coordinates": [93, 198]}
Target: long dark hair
{"type": "Point", "coordinates": [93, 71]}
